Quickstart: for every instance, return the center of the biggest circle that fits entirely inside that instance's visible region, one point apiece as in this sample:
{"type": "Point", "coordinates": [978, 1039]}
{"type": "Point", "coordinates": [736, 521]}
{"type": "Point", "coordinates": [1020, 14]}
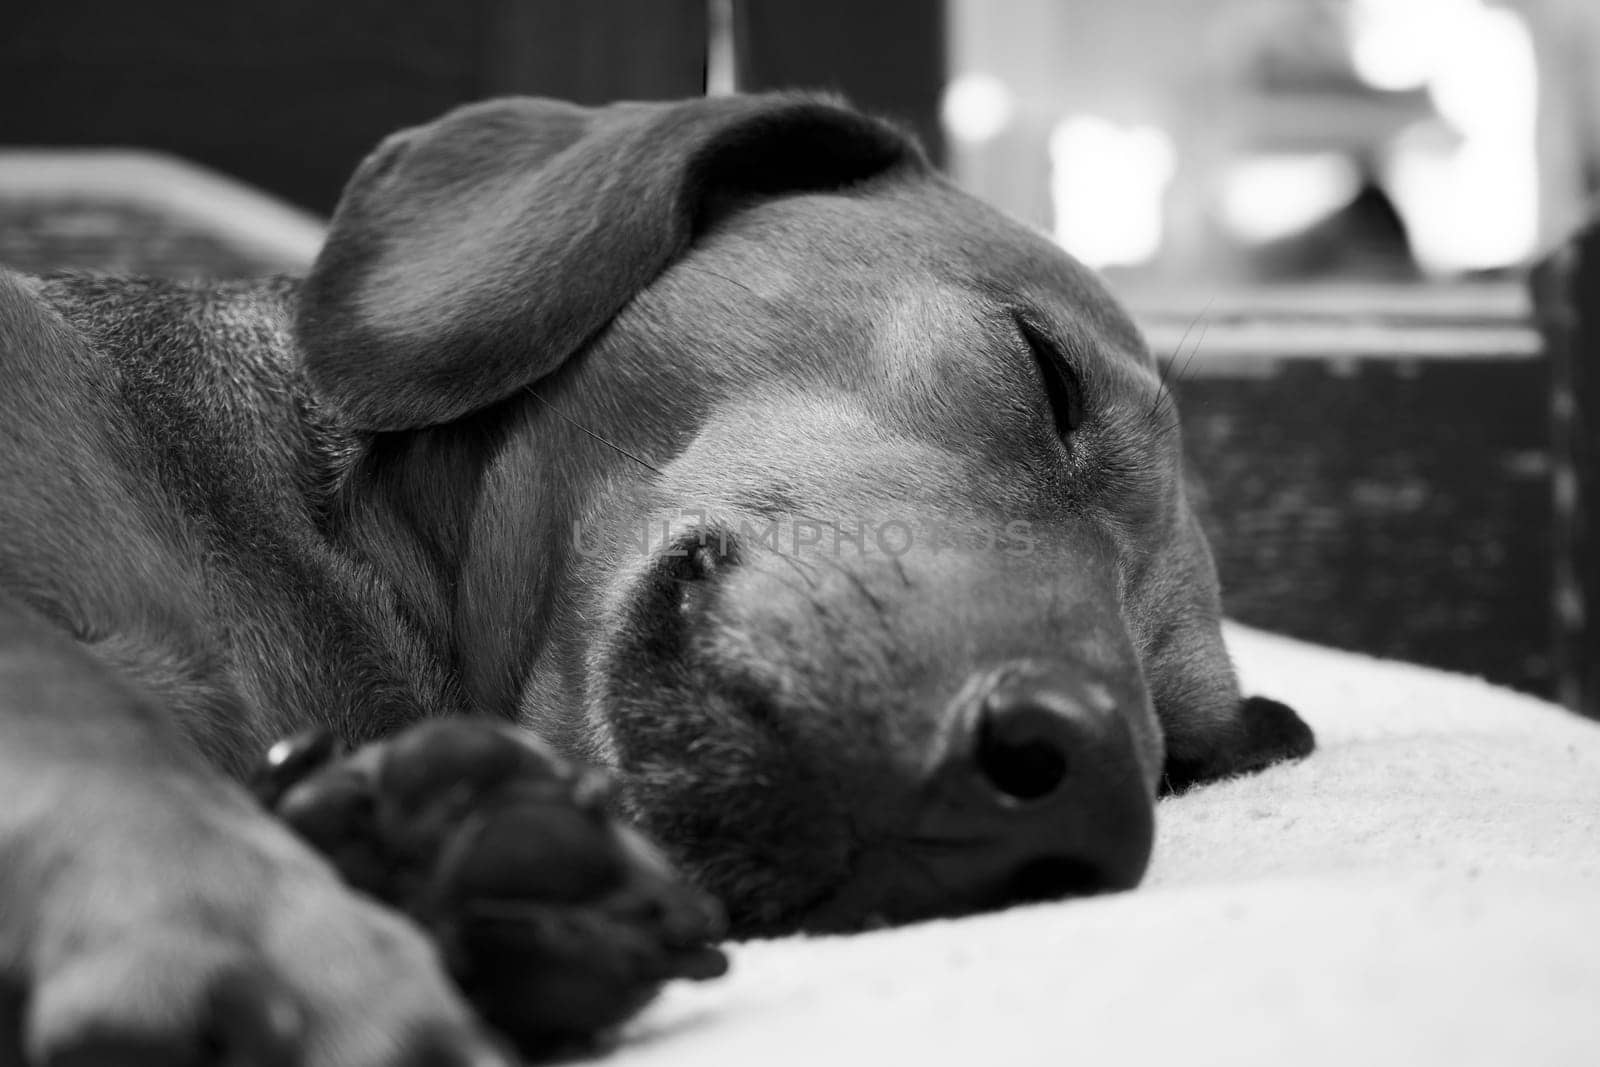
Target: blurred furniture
{"type": "Point", "coordinates": [1373, 465]}
{"type": "Point", "coordinates": [135, 212]}
{"type": "Point", "coordinates": [1566, 288]}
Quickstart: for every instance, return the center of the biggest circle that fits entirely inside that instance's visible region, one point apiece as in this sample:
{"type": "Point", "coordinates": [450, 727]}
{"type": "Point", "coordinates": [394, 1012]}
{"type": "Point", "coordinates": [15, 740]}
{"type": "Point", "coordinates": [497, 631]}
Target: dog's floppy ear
{"type": "Point", "coordinates": [471, 256]}
{"type": "Point", "coordinates": [1260, 733]}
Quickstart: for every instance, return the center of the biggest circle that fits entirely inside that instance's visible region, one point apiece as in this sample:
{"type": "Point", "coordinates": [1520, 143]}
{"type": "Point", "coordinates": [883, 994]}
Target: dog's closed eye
{"type": "Point", "coordinates": [1061, 384]}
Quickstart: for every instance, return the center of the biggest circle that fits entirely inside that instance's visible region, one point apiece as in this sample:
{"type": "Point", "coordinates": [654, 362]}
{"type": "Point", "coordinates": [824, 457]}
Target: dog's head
{"type": "Point", "coordinates": [727, 444]}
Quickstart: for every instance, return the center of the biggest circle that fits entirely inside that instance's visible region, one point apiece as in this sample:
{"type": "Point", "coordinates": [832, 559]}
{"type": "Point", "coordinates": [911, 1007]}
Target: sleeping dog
{"type": "Point", "coordinates": [722, 445]}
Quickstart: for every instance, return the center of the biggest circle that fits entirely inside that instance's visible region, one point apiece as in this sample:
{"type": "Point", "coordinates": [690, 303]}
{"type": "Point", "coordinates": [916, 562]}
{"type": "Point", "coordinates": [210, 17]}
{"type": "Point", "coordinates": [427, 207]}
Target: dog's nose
{"type": "Point", "coordinates": [1045, 792]}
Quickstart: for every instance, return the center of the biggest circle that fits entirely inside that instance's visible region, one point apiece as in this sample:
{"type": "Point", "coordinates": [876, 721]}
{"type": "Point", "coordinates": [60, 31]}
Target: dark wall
{"type": "Point", "coordinates": [1392, 507]}
{"type": "Point", "coordinates": [1566, 290]}
{"type": "Point", "coordinates": [888, 56]}
{"type": "Point", "coordinates": [291, 94]}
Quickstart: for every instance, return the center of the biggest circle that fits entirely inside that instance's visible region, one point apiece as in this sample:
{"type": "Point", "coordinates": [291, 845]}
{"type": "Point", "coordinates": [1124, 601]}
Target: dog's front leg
{"type": "Point", "coordinates": [151, 913]}
{"type": "Point", "coordinates": [556, 920]}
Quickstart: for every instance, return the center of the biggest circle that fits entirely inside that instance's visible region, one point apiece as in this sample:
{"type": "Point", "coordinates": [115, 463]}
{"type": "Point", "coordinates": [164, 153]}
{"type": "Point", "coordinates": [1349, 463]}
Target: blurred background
{"type": "Point", "coordinates": [1323, 213]}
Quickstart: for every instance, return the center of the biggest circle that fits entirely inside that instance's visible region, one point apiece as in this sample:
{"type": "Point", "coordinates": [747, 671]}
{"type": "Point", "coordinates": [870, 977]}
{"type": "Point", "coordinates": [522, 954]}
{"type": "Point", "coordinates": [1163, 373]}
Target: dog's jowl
{"type": "Point", "coordinates": [721, 445]}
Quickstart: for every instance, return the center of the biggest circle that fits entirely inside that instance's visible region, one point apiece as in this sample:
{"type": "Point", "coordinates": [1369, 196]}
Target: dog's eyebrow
{"type": "Point", "coordinates": [575, 424]}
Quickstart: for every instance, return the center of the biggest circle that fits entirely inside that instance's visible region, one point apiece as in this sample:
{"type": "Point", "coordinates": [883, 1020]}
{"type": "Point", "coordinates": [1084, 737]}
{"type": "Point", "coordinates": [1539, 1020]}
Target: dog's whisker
{"type": "Point", "coordinates": [1170, 403]}
{"type": "Point", "coordinates": [805, 594]}
{"type": "Point", "coordinates": [722, 277]}
{"type": "Point", "coordinates": [795, 565]}
{"type": "Point", "coordinates": [861, 587]}
{"type": "Point", "coordinates": [1162, 391]}
{"type": "Point", "coordinates": [1166, 365]}
{"type": "Point", "coordinates": [575, 424]}
{"type": "Point", "coordinates": [881, 609]}
{"type": "Point", "coordinates": [849, 574]}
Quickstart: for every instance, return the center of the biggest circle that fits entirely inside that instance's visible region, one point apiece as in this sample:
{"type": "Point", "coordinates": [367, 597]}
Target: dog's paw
{"type": "Point", "coordinates": [1262, 732]}
{"type": "Point", "coordinates": [210, 937]}
{"type": "Point", "coordinates": [555, 920]}
{"type": "Point", "coordinates": [1276, 731]}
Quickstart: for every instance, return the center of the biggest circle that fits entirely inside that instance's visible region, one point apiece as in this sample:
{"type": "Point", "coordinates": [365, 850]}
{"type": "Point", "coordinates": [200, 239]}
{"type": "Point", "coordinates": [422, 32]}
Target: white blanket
{"type": "Point", "coordinates": [1425, 890]}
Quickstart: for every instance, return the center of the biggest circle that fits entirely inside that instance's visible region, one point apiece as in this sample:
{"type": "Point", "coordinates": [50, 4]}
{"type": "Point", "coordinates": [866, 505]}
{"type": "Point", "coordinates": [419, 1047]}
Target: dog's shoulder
{"type": "Point", "coordinates": [210, 380]}
{"type": "Point", "coordinates": [226, 344]}
{"type": "Point", "coordinates": [168, 473]}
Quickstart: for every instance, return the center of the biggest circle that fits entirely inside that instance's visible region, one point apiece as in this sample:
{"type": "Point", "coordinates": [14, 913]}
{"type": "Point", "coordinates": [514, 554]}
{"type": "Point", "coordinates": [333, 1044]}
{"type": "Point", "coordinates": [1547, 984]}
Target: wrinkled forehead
{"type": "Point", "coordinates": [880, 326]}
{"type": "Point", "coordinates": [971, 245]}
{"type": "Point", "coordinates": [912, 277]}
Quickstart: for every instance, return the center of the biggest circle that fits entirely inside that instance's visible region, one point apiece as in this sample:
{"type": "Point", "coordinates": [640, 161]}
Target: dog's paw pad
{"type": "Point", "coordinates": [555, 920]}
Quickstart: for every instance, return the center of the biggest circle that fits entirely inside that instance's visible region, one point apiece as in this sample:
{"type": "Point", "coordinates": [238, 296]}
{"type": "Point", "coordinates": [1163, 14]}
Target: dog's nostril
{"type": "Point", "coordinates": [1021, 751]}
{"type": "Point", "coordinates": [1052, 878]}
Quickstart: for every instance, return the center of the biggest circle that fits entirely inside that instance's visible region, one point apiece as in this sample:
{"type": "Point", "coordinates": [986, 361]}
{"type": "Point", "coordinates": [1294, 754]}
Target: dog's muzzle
{"type": "Point", "coordinates": [1035, 792]}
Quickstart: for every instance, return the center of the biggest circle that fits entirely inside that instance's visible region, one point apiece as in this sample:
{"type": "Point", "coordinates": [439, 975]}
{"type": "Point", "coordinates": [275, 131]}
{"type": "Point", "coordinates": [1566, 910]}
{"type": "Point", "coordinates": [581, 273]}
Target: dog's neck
{"type": "Point", "coordinates": [458, 523]}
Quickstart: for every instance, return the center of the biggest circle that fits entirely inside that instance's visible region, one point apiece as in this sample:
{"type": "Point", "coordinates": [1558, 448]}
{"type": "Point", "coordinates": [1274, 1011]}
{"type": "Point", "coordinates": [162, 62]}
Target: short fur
{"type": "Point", "coordinates": [407, 487]}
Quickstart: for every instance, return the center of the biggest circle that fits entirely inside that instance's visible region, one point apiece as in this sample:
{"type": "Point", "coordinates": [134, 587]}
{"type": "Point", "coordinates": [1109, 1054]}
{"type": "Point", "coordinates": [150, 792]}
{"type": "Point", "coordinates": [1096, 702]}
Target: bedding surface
{"type": "Point", "coordinates": [1424, 890]}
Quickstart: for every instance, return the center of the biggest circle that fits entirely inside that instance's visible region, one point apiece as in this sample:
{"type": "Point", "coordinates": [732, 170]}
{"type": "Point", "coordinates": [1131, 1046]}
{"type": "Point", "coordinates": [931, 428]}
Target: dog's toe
{"type": "Point", "coordinates": [556, 921]}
